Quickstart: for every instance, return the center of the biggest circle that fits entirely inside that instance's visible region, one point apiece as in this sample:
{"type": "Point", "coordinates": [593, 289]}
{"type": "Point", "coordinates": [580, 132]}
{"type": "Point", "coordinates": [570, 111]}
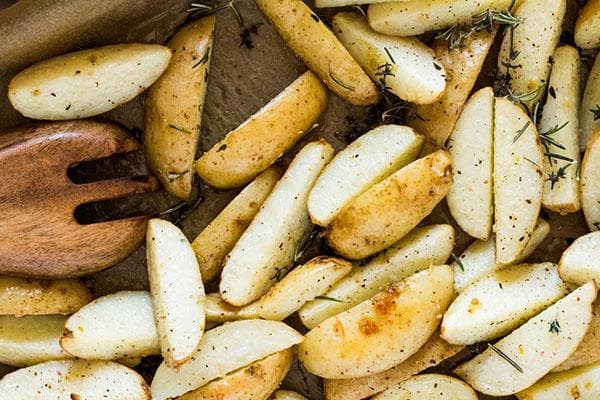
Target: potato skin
{"type": "Point", "coordinates": [267, 135]}
{"type": "Point", "coordinates": [174, 108]}
{"type": "Point", "coordinates": [389, 210]}
{"type": "Point", "coordinates": [587, 32]}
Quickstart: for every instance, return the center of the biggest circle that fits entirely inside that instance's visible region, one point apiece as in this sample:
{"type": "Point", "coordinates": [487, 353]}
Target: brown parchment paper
{"type": "Point", "coordinates": [241, 80]}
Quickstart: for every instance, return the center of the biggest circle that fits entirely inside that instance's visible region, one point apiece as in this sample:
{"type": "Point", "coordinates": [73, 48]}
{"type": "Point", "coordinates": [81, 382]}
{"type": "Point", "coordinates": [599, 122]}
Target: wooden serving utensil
{"type": "Point", "coordinates": [39, 235]}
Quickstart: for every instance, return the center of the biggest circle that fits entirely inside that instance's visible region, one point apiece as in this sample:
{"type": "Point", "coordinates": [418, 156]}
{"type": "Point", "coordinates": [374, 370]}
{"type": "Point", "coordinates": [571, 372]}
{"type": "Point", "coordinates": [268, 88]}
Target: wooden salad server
{"type": "Point", "coordinates": [39, 235]}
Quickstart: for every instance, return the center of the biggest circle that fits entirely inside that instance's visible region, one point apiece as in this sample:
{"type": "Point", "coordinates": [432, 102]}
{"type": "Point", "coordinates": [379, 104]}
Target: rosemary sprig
{"type": "Point", "coordinates": [203, 60]}
{"type": "Point", "coordinates": [555, 327]}
{"type": "Point", "coordinates": [555, 176]}
{"type": "Point", "coordinates": [521, 131]}
{"type": "Point", "coordinates": [554, 156]}
{"type": "Point", "coordinates": [505, 357]}
{"type": "Point", "coordinates": [338, 81]}
{"type": "Point", "coordinates": [455, 35]}
{"type": "Point", "coordinates": [532, 162]}
{"type": "Point", "coordinates": [180, 129]}
{"type": "Point", "coordinates": [200, 10]}
{"type": "Point", "coordinates": [596, 112]}
{"type": "Point", "coordinates": [547, 139]}
{"type": "Point", "coordinates": [329, 299]}
{"type": "Point", "coordinates": [458, 261]}
{"type": "Point", "coordinates": [525, 98]}
{"type": "Point", "coordinates": [389, 55]}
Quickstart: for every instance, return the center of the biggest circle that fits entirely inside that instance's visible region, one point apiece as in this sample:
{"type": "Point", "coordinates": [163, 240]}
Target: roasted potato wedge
{"type": "Point", "coordinates": [588, 351]}
{"type": "Point", "coordinates": [495, 305]}
{"type": "Point", "coordinates": [412, 72]}
{"type": "Point", "coordinates": [533, 349]}
{"type": "Point", "coordinates": [587, 33]}
{"type": "Point", "coordinates": [429, 386]}
{"type": "Point", "coordinates": [287, 395]}
{"type": "Point", "coordinates": [368, 160]}
{"type": "Point", "coordinates": [463, 65]}
{"type": "Point", "coordinates": [174, 108]}
{"type": "Point", "coordinates": [433, 352]}
{"type": "Point", "coordinates": [580, 263]}
{"type": "Point", "coordinates": [268, 246]}
{"type": "Point", "coordinates": [589, 123]}
{"type": "Point", "coordinates": [423, 247]}
{"type": "Point", "coordinates": [257, 143]}
{"type": "Point", "coordinates": [590, 183]}
{"type": "Point", "coordinates": [218, 238]}
{"type": "Point", "coordinates": [20, 296]}
{"type": "Point", "coordinates": [218, 310]}
{"type": "Point", "coordinates": [256, 381]}
{"type": "Point", "coordinates": [342, 3]}
{"type": "Point", "coordinates": [74, 380]}
{"type": "Point", "coordinates": [415, 17]}
{"type": "Point", "coordinates": [222, 350]}
{"type": "Point", "coordinates": [31, 340]}
{"type": "Point", "coordinates": [177, 291]}
{"type": "Point", "coordinates": [313, 42]}
{"type": "Point", "coordinates": [560, 119]}
{"type": "Point", "coordinates": [115, 326]}
{"type": "Point", "coordinates": [382, 331]}
{"type": "Point", "coordinates": [389, 210]}
{"type": "Point", "coordinates": [518, 180]}
{"type": "Point", "coordinates": [470, 198]}
{"type": "Point", "coordinates": [87, 82]}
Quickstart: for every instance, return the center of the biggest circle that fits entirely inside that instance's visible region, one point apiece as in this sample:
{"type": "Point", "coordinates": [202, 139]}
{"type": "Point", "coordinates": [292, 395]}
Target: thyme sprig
{"type": "Point", "coordinates": [505, 357]}
{"type": "Point", "coordinates": [555, 327]}
{"type": "Point", "coordinates": [555, 176]}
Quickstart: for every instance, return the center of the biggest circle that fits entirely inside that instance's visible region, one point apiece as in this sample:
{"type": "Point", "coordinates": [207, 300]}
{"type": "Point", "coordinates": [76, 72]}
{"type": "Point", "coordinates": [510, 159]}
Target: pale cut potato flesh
{"type": "Point", "coordinates": [255, 382]}
{"type": "Point", "coordinates": [366, 161]}
{"type": "Point", "coordinates": [174, 107]}
{"type": "Point", "coordinates": [413, 73]}
{"type": "Point", "coordinates": [382, 331]}
{"type": "Point", "coordinates": [130, 362]}
{"type": "Point", "coordinates": [420, 249]}
{"type": "Point", "coordinates": [87, 82]}
{"type": "Point", "coordinates": [218, 238]}
{"type": "Point", "coordinates": [590, 101]}
{"type": "Point", "coordinates": [534, 349]}
{"type": "Point", "coordinates": [268, 246]}
{"type": "Point", "coordinates": [303, 284]}
{"type": "Point", "coordinates": [20, 296]}
{"type": "Point", "coordinates": [531, 45]}
{"type": "Point", "coordinates": [177, 291]}
{"type": "Point", "coordinates": [462, 64]}
{"type": "Point", "coordinates": [433, 352]}
{"type": "Point", "coordinates": [218, 310]}
{"type": "Point", "coordinates": [312, 41]}
{"type": "Point", "coordinates": [590, 183]}
{"type": "Point", "coordinates": [287, 395]}
{"type": "Point", "coordinates": [562, 105]}
{"type": "Point", "coordinates": [31, 340]}
{"type": "Point", "coordinates": [587, 33]}
{"type": "Point", "coordinates": [115, 326]}
{"type": "Point", "coordinates": [470, 197]}
{"type": "Point", "coordinates": [74, 380]}
{"type": "Point", "coordinates": [581, 383]}
{"type": "Point", "coordinates": [429, 386]}
{"type": "Point", "coordinates": [580, 262]}
{"type": "Point", "coordinates": [518, 180]}
{"type": "Point", "coordinates": [495, 305]}
{"type": "Point", "coordinates": [588, 351]}
{"type": "Point", "coordinates": [390, 209]}
{"type": "Point", "coordinates": [415, 17]}
{"type": "Point", "coordinates": [222, 350]}
{"type": "Point", "coordinates": [479, 259]}
{"type": "Point", "coordinates": [263, 138]}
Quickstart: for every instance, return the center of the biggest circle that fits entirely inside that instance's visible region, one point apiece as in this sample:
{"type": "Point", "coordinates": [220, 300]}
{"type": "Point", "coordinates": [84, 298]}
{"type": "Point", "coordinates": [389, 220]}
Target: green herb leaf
{"type": "Point", "coordinates": [330, 299]}
{"type": "Point", "coordinates": [458, 261]}
{"type": "Point", "coordinates": [177, 128]}
{"type": "Point", "coordinates": [554, 327]}
{"type": "Point", "coordinates": [521, 131]}
{"type": "Point", "coordinates": [339, 82]}
{"type": "Point", "coordinates": [505, 357]}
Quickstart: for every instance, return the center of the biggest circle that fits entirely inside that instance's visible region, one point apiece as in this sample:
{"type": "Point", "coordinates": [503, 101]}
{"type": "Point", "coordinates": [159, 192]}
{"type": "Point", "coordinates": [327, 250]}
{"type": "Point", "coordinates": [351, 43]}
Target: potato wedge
{"type": "Point", "coordinates": [589, 111]}
{"type": "Point", "coordinates": [579, 383]}
{"type": "Point", "coordinates": [580, 262]}
{"type": "Point", "coordinates": [420, 249]}
{"type": "Point", "coordinates": [411, 70]}
{"type": "Point", "coordinates": [368, 160]}
{"type": "Point", "coordinates": [495, 305]}
{"type": "Point", "coordinates": [343, 3]}
{"type": "Point", "coordinates": [115, 326]}
{"type": "Point", "coordinates": [218, 310]}
{"type": "Point", "coordinates": [174, 108]}
{"type": "Point", "coordinates": [20, 296]}
{"type": "Point", "coordinates": [73, 380]}
{"type": "Point", "coordinates": [531, 45]}
{"type": "Point", "coordinates": [534, 349]}
{"type": "Point", "coordinates": [470, 198]}
{"type": "Point", "coordinates": [429, 386]}
{"type": "Point", "coordinates": [256, 381]}
{"type": "Point", "coordinates": [257, 143]}
{"type": "Point", "coordinates": [433, 352]}
{"type": "Point", "coordinates": [380, 332]}
{"type": "Point", "coordinates": [87, 82]}
{"type": "Point", "coordinates": [177, 291]}
{"type": "Point", "coordinates": [463, 65]}
{"type": "Point", "coordinates": [313, 42]}
{"type": "Point", "coordinates": [415, 17]}
{"type": "Point", "coordinates": [560, 121]}
{"type": "Point", "coordinates": [267, 248]}
{"type": "Point", "coordinates": [31, 340]}
{"type": "Point", "coordinates": [222, 350]}
{"type": "Point", "coordinates": [518, 180]}
{"type": "Point", "coordinates": [590, 183]}
{"type": "Point", "coordinates": [588, 351]}
{"type": "Point", "coordinates": [218, 238]}
{"type": "Point", "coordinates": [287, 395]}
{"type": "Point", "coordinates": [389, 210]}
{"type": "Point", "coordinates": [587, 34]}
